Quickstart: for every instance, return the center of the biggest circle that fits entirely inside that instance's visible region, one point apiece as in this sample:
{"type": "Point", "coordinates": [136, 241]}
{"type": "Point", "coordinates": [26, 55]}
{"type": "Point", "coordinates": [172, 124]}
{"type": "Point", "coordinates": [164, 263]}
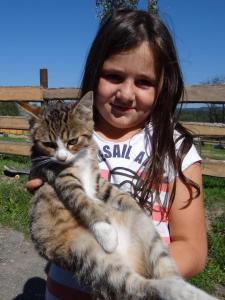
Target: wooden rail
{"type": "Point", "coordinates": [195, 93]}
{"type": "Point", "coordinates": [7, 122]}
{"type": "Point", "coordinates": [205, 129]}
{"type": "Point", "coordinates": [17, 148]}
{"type": "Point", "coordinates": [213, 167]}
{"type": "Point", "coordinates": [198, 129]}
{"type": "Point", "coordinates": [209, 167]}
{"type": "Point", "coordinates": [30, 93]}
{"type": "Point", "coordinates": [210, 93]}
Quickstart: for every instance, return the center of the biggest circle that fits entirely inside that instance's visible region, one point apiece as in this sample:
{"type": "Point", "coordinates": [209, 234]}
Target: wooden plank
{"type": "Point", "coordinates": [15, 122]}
{"type": "Point", "coordinates": [198, 129]}
{"type": "Point", "coordinates": [17, 148]}
{"type": "Point", "coordinates": [213, 167]}
{"type": "Point", "coordinates": [206, 93]}
{"type": "Point", "coordinates": [209, 167]}
{"type": "Point", "coordinates": [195, 93]}
{"type": "Point", "coordinates": [205, 129]}
{"type": "Point", "coordinates": [21, 93]}
{"type": "Point", "coordinates": [61, 94]}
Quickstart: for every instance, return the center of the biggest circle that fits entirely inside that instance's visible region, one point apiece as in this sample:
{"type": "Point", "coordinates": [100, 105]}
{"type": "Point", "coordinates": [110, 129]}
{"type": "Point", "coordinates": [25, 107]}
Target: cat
{"type": "Point", "coordinates": [83, 223]}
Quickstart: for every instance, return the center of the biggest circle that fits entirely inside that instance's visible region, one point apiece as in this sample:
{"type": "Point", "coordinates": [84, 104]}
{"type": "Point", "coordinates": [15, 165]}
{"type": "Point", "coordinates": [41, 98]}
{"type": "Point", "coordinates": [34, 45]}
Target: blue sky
{"type": "Point", "coordinates": [56, 34]}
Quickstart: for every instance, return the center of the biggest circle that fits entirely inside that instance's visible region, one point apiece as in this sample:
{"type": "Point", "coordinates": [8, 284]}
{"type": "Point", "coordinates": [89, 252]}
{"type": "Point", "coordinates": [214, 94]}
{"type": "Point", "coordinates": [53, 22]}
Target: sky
{"type": "Point", "coordinates": [57, 34]}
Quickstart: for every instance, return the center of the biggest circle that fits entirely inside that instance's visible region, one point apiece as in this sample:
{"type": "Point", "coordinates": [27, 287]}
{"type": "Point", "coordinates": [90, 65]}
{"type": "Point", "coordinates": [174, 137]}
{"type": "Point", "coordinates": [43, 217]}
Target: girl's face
{"type": "Point", "coordinates": [126, 90]}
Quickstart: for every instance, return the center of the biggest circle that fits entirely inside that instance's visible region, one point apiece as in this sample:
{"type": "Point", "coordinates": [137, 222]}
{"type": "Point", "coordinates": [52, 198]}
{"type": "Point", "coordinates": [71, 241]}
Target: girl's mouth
{"type": "Point", "coordinates": [122, 109]}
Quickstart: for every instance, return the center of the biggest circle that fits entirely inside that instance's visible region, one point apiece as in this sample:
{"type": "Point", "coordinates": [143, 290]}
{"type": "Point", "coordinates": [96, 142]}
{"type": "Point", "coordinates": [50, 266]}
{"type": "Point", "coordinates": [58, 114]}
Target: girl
{"type": "Point", "coordinates": [133, 71]}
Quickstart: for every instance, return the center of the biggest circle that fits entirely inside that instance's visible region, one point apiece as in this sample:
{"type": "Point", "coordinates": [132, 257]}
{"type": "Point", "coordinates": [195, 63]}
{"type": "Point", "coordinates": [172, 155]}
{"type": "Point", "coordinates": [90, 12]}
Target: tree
{"type": "Point", "coordinates": [153, 7]}
{"type": "Point", "coordinates": [216, 114]}
{"type": "Point", "coordinates": [9, 109]}
{"type": "Point", "coordinates": [104, 7]}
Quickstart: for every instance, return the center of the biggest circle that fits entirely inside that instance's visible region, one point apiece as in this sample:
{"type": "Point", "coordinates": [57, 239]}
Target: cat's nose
{"type": "Point", "coordinates": [61, 155]}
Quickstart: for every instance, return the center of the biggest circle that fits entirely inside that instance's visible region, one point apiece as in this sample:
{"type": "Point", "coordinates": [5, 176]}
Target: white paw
{"type": "Point", "coordinates": [106, 235]}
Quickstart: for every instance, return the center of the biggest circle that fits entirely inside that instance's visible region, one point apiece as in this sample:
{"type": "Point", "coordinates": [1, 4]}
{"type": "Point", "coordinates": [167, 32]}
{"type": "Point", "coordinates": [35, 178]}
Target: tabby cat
{"type": "Point", "coordinates": [83, 223]}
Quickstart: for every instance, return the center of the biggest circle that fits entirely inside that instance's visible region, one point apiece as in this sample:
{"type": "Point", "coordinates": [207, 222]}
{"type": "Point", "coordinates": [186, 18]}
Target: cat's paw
{"type": "Point", "coordinates": [106, 235]}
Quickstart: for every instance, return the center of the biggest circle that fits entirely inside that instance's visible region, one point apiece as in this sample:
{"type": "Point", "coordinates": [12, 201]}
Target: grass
{"type": "Point", "coordinates": [14, 205]}
{"type": "Point", "coordinates": [14, 139]}
{"type": "Point", "coordinates": [208, 151]}
{"type": "Point", "coordinates": [14, 198]}
{"type": "Point", "coordinates": [212, 279]}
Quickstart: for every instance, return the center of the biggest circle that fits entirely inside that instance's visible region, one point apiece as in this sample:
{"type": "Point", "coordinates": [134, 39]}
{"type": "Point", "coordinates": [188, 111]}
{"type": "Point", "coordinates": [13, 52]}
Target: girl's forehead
{"type": "Point", "coordinates": [140, 58]}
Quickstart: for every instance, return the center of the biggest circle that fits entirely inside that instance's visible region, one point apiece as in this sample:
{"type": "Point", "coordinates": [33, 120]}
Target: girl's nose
{"type": "Point", "coordinates": [126, 92]}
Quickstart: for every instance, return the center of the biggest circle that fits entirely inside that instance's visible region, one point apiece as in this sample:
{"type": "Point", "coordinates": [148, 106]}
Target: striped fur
{"type": "Point", "coordinates": [83, 223]}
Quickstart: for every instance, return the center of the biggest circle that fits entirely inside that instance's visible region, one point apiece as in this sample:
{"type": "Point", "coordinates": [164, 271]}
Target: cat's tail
{"type": "Point", "coordinates": [176, 289]}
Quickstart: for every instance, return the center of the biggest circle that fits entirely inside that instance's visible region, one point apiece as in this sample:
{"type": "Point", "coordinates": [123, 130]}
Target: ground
{"type": "Point", "coordinates": [22, 270]}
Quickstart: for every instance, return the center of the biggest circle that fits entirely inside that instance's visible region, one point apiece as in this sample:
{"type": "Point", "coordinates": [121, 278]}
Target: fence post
{"type": "Point", "coordinates": [44, 78]}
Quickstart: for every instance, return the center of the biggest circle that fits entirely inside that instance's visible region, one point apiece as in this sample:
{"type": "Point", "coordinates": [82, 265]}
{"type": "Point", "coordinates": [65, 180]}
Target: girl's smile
{"type": "Point", "coordinates": [126, 91]}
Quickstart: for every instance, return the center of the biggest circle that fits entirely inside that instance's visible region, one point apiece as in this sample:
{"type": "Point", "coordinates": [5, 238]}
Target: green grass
{"type": "Point", "coordinates": [212, 279]}
{"type": "Point", "coordinates": [14, 198]}
{"type": "Point", "coordinates": [208, 151]}
{"type": "Point", "coordinates": [14, 139]}
{"type": "Point", "coordinates": [16, 161]}
{"type": "Point", "coordinates": [14, 205]}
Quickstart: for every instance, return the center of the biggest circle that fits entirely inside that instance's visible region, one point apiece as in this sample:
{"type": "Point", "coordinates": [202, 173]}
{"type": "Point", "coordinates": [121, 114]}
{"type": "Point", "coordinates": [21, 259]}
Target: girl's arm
{"type": "Point", "coordinates": [188, 228]}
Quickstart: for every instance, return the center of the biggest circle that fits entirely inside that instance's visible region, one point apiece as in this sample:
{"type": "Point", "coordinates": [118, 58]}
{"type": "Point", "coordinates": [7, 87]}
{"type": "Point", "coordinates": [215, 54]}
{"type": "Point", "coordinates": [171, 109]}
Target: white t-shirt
{"type": "Point", "coordinates": [120, 161]}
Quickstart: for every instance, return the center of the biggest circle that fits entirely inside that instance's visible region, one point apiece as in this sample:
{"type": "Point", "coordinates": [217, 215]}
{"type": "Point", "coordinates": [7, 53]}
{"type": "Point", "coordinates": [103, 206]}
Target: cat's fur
{"type": "Point", "coordinates": [81, 222]}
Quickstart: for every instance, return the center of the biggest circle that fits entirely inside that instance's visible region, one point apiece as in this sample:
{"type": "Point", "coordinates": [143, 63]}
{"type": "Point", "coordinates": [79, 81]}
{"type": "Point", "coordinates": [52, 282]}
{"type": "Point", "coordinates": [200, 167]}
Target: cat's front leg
{"type": "Point", "coordinates": [118, 199]}
{"type": "Point", "coordinates": [91, 211]}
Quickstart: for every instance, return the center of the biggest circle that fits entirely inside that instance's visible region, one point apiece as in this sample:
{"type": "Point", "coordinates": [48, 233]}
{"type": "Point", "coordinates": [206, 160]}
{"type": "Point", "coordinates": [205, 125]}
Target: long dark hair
{"type": "Point", "coordinates": [123, 30]}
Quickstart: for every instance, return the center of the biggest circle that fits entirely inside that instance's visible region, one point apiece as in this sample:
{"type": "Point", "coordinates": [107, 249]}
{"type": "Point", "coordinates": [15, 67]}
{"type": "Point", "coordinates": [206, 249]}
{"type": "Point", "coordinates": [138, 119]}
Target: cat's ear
{"type": "Point", "coordinates": [86, 103]}
{"type": "Point", "coordinates": [34, 111]}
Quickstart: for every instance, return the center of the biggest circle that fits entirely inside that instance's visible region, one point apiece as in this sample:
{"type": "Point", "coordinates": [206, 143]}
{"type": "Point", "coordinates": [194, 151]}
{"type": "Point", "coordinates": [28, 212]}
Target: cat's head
{"type": "Point", "coordinates": [61, 130]}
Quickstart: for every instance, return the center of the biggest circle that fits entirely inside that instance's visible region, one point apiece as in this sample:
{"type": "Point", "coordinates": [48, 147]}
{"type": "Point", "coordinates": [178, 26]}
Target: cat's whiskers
{"type": "Point", "coordinates": [45, 162]}
{"type": "Point", "coordinates": [40, 158]}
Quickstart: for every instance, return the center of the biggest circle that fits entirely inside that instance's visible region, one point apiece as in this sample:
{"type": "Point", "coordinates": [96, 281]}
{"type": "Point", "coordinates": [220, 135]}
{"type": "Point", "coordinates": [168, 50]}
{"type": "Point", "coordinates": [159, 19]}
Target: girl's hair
{"type": "Point", "coordinates": [126, 29]}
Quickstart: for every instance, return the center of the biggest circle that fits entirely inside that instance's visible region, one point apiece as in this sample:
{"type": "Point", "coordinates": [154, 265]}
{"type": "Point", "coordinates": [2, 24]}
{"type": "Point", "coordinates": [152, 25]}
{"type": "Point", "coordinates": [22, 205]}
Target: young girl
{"type": "Point", "coordinates": [133, 70]}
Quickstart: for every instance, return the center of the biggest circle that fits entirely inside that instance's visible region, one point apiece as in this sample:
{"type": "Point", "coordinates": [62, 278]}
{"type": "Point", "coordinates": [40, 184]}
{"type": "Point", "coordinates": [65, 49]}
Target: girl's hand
{"type": "Point", "coordinates": [34, 184]}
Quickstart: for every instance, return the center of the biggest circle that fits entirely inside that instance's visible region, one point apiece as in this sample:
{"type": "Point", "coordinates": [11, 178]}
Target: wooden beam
{"type": "Point", "coordinates": [195, 93]}
{"type": "Point", "coordinates": [213, 167]}
{"type": "Point", "coordinates": [206, 93]}
{"type": "Point", "coordinates": [21, 93]}
{"type": "Point", "coordinates": [14, 123]}
{"type": "Point", "coordinates": [205, 129]}
{"type": "Point", "coordinates": [61, 94]}
{"type": "Point", "coordinates": [209, 167]}
{"type": "Point", "coordinates": [17, 148]}
{"type": "Point", "coordinates": [197, 129]}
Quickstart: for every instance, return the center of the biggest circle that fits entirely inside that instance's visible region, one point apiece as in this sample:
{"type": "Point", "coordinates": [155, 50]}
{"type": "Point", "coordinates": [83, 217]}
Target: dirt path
{"type": "Point", "coordinates": [22, 270]}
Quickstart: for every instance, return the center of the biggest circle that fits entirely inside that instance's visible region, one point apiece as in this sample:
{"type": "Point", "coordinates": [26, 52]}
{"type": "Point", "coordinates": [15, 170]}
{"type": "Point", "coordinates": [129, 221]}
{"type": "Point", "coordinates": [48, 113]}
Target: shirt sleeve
{"type": "Point", "coordinates": [190, 158]}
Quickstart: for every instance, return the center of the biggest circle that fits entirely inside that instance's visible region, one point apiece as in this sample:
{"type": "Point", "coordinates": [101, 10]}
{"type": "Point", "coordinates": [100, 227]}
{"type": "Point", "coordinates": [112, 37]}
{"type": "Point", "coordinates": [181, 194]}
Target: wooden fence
{"type": "Point", "coordinates": [198, 93]}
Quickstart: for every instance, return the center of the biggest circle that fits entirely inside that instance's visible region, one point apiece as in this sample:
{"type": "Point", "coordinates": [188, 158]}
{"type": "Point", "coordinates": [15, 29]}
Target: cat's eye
{"type": "Point", "coordinates": [50, 145]}
{"type": "Point", "coordinates": [73, 141]}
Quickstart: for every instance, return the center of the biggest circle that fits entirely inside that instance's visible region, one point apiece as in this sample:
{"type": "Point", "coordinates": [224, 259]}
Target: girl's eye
{"type": "Point", "coordinates": [73, 141]}
{"type": "Point", "coordinates": [50, 145]}
{"type": "Point", "coordinates": [114, 78]}
{"type": "Point", "coordinates": [145, 83]}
